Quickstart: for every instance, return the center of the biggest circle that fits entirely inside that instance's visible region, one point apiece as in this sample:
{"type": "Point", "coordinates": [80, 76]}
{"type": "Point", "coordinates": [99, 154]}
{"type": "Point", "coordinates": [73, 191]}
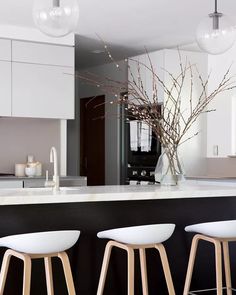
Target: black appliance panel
{"type": "Point", "coordinates": [140, 174]}
{"type": "Point", "coordinates": [137, 164]}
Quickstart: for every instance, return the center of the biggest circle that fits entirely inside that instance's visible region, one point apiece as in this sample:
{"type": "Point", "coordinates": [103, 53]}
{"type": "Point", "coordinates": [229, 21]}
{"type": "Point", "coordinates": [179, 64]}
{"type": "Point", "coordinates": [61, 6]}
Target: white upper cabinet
{"type": "Point", "coordinates": [37, 53]}
{"type": "Point", "coordinates": [5, 88]}
{"type": "Point", "coordinates": [36, 79]}
{"type": "Point", "coordinates": [5, 49]}
{"type": "Point", "coordinates": [41, 91]}
{"type": "Point", "coordinates": [5, 77]}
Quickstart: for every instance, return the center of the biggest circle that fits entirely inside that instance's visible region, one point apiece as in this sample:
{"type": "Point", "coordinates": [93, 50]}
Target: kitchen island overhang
{"type": "Point", "coordinates": [91, 212]}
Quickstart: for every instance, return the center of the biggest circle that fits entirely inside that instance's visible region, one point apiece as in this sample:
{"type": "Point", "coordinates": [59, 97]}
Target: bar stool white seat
{"type": "Point", "coordinates": [219, 233]}
{"type": "Point", "coordinates": [39, 245]}
{"type": "Point", "coordinates": [141, 238]}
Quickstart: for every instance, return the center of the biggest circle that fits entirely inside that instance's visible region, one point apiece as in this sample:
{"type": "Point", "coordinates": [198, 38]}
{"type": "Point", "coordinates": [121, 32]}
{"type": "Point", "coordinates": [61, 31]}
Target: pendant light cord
{"type": "Point", "coordinates": [216, 6]}
{"type": "Point", "coordinates": [56, 3]}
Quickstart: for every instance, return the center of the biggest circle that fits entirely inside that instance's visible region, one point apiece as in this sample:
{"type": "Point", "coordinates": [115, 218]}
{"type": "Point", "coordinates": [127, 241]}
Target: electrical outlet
{"type": "Point", "coordinates": [215, 150]}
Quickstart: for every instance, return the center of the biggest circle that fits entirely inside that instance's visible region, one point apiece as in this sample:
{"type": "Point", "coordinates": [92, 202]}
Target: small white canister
{"type": "Point", "coordinates": [20, 170]}
{"type": "Point", "coordinates": [38, 169]}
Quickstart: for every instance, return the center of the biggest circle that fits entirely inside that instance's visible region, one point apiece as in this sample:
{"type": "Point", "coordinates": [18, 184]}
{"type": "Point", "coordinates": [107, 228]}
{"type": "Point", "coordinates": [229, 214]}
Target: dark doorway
{"type": "Point", "coordinates": [92, 139]}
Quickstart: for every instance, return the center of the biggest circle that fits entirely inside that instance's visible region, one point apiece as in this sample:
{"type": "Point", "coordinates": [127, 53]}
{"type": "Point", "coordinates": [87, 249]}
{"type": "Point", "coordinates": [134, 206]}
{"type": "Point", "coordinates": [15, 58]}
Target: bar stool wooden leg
{"type": "Point", "coordinates": [218, 260]}
{"type": "Point", "coordinates": [67, 271]}
{"type": "Point", "coordinates": [27, 274]}
{"type": "Point", "coordinates": [49, 277]}
{"type": "Point", "coordinates": [130, 253]}
{"type": "Point", "coordinates": [191, 261]}
{"type": "Point", "coordinates": [143, 266]}
{"type": "Point", "coordinates": [227, 268]}
{"type": "Point", "coordinates": [105, 264]}
{"type": "Point", "coordinates": [4, 270]}
{"type": "Point", "coordinates": [166, 268]}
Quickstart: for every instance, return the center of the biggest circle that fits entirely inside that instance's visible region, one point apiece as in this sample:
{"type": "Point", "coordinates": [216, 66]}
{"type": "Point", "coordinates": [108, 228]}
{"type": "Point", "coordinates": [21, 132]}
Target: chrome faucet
{"type": "Point", "coordinates": [55, 182]}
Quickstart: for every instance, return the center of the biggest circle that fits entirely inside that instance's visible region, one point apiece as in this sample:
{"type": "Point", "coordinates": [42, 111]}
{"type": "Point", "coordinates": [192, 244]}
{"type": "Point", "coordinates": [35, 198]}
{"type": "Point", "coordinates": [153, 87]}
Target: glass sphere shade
{"type": "Point", "coordinates": [215, 41]}
{"type": "Point", "coordinates": [56, 18]}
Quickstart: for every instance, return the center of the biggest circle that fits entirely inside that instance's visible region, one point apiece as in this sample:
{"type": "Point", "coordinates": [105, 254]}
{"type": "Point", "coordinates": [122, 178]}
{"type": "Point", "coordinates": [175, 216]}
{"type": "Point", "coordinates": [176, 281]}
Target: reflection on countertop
{"type": "Point", "coordinates": [212, 178]}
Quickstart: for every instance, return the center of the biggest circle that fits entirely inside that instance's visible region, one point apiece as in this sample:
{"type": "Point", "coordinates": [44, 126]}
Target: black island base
{"type": "Point", "coordinates": [86, 256]}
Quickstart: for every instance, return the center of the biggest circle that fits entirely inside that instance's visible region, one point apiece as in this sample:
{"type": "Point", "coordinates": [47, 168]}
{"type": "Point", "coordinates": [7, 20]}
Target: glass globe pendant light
{"type": "Point", "coordinates": [56, 18]}
{"type": "Point", "coordinates": [215, 34]}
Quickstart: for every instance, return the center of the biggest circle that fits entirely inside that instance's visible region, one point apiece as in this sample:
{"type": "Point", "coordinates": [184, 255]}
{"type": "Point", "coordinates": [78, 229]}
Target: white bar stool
{"type": "Point", "coordinates": [219, 233]}
{"type": "Point", "coordinates": [39, 245]}
{"type": "Point", "coordinates": [141, 238]}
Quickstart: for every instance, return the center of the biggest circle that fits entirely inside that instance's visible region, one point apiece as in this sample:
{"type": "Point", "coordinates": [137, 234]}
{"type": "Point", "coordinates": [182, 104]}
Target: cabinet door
{"type": "Point", "coordinates": [5, 49]}
{"type": "Point", "coordinates": [5, 88]}
{"type": "Point", "coordinates": [40, 91]}
{"type": "Point", "coordinates": [30, 52]}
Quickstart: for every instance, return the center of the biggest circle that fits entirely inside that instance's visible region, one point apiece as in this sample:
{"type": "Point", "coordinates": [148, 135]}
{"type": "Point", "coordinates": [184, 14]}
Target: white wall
{"type": "Point", "coordinates": [193, 151]}
{"type": "Point", "coordinates": [20, 137]}
{"type": "Point", "coordinates": [221, 125]}
{"type": "Point", "coordinates": [112, 144]}
{"type": "Point", "coordinates": [140, 67]}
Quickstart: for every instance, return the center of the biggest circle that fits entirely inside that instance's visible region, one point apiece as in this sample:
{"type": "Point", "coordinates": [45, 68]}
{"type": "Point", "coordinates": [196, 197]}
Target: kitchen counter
{"type": "Point", "coordinates": [92, 209]}
{"type": "Point", "coordinates": [39, 181]}
{"type": "Point", "coordinates": [189, 189]}
{"type": "Point", "coordinates": [40, 177]}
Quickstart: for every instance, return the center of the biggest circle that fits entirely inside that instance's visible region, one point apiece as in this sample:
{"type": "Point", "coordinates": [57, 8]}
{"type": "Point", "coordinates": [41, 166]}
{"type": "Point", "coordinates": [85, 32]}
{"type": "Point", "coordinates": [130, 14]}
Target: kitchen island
{"type": "Point", "coordinates": [91, 209]}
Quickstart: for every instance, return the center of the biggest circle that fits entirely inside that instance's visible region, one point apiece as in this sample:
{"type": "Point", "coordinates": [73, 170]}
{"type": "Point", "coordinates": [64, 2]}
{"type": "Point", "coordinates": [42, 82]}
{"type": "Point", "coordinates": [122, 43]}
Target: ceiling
{"type": "Point", "coordinates": [126, 25]}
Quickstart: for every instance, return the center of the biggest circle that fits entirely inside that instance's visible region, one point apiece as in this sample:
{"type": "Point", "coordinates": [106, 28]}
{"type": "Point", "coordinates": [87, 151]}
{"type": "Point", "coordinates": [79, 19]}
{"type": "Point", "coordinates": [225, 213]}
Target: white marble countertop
{"type": "Point", "coordinates": [12, 177]}
{"type": "Point", "coordinates": [189, 189]}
